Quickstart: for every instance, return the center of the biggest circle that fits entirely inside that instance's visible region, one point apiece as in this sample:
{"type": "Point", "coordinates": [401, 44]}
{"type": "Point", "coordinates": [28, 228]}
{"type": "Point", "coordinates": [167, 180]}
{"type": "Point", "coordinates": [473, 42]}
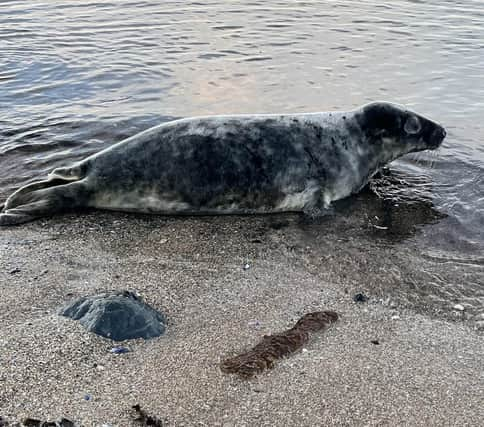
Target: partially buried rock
{"type": "Point", "coordinates": [116, 315]}
{"type": "Point", "coordinates": [360, 298]}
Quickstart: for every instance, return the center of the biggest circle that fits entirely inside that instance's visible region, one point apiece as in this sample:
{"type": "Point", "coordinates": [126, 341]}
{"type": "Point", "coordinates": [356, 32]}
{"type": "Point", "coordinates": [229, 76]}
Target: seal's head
{"type": "Point", "coordinates": [397, 130]}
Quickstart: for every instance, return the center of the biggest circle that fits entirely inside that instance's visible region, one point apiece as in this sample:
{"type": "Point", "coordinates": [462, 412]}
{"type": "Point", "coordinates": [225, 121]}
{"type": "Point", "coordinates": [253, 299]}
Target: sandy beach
{"type": "Point", "coordinates": [223, 283]}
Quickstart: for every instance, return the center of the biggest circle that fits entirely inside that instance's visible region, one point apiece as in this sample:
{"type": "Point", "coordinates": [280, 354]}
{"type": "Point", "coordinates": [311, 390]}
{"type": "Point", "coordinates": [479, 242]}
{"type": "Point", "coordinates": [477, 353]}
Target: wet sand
{"type": "Point", "coordinates": [426, 370]}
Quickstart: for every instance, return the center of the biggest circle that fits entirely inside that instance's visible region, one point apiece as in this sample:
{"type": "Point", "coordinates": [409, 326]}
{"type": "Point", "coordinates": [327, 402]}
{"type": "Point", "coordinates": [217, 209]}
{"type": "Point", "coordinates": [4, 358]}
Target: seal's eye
{"type": "Point", "coordinates": [412, 125]}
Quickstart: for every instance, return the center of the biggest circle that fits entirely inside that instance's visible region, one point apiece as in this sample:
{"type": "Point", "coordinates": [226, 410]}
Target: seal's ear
{"type": "Point", "coordinates": [412, 125]}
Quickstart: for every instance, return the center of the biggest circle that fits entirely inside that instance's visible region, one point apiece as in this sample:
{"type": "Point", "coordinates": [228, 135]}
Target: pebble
{"type": "Point", "coordinates": [395, 317]}
{"type": "Point", "coordinates": [379, 227]}
{"type": "Point", "coordinates": [255, 324]}
{"type": "Point", "coordinates": [459, 307]}
{"type": "Point", "coordinates": [246, 266]}
{"type": "Point", "coordinates": [360, 298]}
{"type": "Point", "coordinates": [14, 271]}
{"type": "Point", "coordinates": [119, 350]}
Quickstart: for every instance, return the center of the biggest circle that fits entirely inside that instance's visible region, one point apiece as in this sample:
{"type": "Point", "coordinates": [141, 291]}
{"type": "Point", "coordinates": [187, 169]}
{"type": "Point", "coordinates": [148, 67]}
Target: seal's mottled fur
{"type": "Point", "coordinates": [233, 164]}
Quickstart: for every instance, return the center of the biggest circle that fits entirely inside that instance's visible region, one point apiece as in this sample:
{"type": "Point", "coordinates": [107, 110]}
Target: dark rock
{"type": "Point", "coordinates": [146, 420]}
{"type": "Point", "coordinates": [116, 315]}
{"type": "Point", "coordinates": [360, 298]}
{"type": "Point", "coordinates": [15, 271]}
{"type": "Point", "coordinates": [376, 342]}
{"type": "Point", "coordinates": [32, 422]}
{"type": "Point", "coordinates": [3, 422]}
{"type": "Point", "coordinates": [64, 422]}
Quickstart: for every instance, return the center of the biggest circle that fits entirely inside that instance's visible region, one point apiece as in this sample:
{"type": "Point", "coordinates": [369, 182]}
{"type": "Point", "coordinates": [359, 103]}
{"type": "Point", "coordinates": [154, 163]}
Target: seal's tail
{"type": "Point", "coordinates": [60, 192]}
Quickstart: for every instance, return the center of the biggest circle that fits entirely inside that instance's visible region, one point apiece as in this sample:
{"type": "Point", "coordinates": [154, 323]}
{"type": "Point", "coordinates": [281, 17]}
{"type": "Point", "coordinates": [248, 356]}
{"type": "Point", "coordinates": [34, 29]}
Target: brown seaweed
{"type": "Point", "coordinates": [273, 347]}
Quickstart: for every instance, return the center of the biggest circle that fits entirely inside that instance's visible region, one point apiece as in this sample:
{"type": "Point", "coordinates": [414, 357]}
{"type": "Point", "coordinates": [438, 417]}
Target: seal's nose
{"type": "Point", "coordinates": [438, 136]}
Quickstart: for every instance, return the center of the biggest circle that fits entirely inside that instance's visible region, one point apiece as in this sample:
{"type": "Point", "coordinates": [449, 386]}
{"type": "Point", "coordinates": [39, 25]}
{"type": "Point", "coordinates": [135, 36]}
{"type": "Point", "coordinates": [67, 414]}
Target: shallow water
{"type": "Point", "coordinates": [76, 77]}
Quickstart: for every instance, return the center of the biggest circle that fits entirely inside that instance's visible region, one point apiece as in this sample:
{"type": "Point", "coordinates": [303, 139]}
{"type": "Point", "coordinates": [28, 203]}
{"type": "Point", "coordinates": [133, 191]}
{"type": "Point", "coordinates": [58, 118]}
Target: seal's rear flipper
{"type": "Point", "coordinates": [18, 216]}
{"type": "Point", "coordinates": [43, 198]}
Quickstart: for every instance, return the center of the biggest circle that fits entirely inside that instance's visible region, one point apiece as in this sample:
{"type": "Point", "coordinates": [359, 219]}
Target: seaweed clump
{"type": "Point", "coordinates": [277, 346]}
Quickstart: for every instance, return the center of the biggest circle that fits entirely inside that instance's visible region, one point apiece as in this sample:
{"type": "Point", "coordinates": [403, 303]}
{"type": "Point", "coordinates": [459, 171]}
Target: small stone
{"type": "Point", "coordinates": [380, 227]}
{"type": "Point", "coordinates": [376, 342]}
{"type": "Point", "coordinates": [360, 298]}
{"type": "Point", "coordinates": [87, 397]}
{"type": "Point", "coordinates": [14, 271]}
{"type": "Point", "coordinates": [64, 422]}
{"type": "Point", "coordinates": [255, 324]}
{"type": "Point", "coordinates": [246, 267]}
{"type": "Point", "coordinates": [304, 350]}
{"type": "Point", "coordinates": [119, 350]}
{"type": "Point", "coordinates": [395, 317]}
{"type": "Point", "coordinates": [31, 422]}
{"type": "Point", "coordinates": [459, 307]}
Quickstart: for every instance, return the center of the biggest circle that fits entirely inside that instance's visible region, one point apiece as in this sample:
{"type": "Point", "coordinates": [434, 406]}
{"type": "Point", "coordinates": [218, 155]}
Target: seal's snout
{"type": "Point", "coordinates": [438, 135]}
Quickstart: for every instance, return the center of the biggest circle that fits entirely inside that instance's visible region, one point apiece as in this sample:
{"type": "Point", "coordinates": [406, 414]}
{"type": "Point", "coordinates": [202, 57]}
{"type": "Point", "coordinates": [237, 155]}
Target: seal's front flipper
{"type": "Point", "coordinates": [43, 198]}
{"type": "Point", "coordinates": [318, 207]}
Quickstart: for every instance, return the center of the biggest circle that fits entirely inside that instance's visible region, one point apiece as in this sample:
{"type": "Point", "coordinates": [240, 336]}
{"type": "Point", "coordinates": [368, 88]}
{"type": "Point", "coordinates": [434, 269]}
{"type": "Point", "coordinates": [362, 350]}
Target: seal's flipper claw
{"type": "Point", "coordinates": [8, 218]}
{"type": "Point", "coordinates": [25, 213]}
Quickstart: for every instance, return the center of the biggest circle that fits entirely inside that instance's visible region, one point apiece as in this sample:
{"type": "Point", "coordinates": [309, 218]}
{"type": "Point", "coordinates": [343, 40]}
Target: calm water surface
{"type": "Point", "coordinates": [77, 76]}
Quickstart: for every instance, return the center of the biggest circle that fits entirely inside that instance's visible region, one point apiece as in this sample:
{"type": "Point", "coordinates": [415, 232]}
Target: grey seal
{"type": "Point", "coordinates": [241, 164]}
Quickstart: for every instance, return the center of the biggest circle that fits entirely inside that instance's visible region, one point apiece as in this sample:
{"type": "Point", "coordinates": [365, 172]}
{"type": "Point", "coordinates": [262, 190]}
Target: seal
{"type": "Point", "coordinates": [242, 164]}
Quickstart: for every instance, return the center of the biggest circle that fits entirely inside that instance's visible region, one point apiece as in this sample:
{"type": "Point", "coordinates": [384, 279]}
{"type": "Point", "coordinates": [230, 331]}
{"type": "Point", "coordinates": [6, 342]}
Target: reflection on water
{"type": "Point", "coordinates": [76, 77]}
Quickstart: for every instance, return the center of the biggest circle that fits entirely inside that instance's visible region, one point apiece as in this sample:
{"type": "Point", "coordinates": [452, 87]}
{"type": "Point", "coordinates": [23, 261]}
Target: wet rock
{"type": "Point", "coordinates": [360, 298]}
{"type": "Point", "coordinates": [116, 315]}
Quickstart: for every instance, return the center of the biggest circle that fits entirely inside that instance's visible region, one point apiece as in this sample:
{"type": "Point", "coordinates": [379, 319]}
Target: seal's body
{"type": "Point", "coordinates": [233, 164]}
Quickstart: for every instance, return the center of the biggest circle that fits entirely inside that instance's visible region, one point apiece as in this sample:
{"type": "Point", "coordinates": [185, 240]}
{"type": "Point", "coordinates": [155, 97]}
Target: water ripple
{"type": "Point", "coordinates": [78, 76]}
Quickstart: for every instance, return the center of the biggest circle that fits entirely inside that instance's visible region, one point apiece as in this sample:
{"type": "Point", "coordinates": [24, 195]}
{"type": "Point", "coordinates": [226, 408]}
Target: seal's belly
{"type": "Point", "coordinates": [153, 201]}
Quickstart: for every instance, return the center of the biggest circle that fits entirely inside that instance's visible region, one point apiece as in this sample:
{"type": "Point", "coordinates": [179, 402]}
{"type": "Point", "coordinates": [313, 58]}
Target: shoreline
{"type": "Point", "coordinates": [426, 369]}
